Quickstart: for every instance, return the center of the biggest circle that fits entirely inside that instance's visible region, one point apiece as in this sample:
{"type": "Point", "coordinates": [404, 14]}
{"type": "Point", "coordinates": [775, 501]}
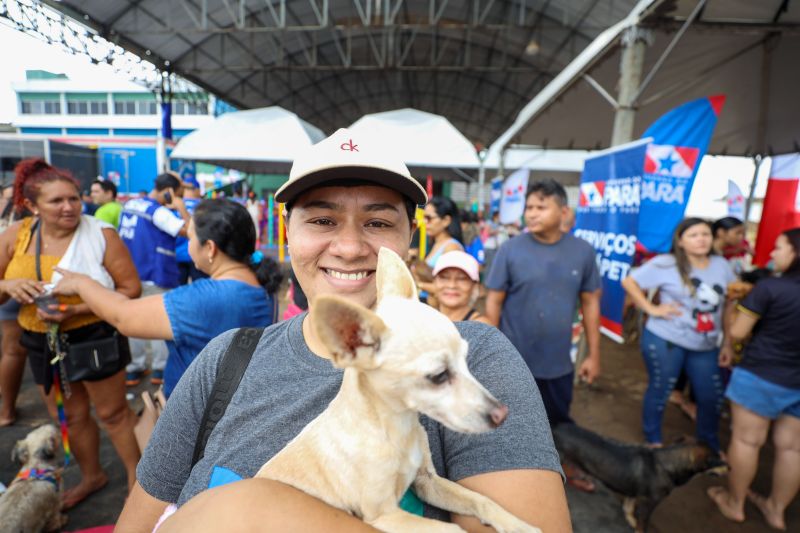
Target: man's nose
{"type": "Point", "coordinates": [349, 242]}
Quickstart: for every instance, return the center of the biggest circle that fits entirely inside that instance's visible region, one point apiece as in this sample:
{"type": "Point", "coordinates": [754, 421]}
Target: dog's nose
{"type": "Point", "coordinates": [497, 415]}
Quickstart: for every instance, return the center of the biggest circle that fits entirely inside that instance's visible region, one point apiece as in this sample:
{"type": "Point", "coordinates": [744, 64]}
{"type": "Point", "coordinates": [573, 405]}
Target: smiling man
{"type": "Point", "coordinates": [345, 199]}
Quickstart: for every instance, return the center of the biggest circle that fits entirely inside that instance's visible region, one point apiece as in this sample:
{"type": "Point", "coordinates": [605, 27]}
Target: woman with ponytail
{"type": "Point", "coordinates": [684, 331]}
{"type": "Point", "coordinates": [240, 291]}
{"type": "Point", "coordinates": [75, 357]}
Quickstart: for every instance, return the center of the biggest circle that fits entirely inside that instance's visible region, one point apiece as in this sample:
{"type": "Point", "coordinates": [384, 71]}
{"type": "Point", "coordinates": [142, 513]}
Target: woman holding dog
{"type": "Point", "coordinates": [61, 335]}
{"type": "Point", "coordinates": [683, 332]}
{"type": "Point", "coordinates": [764, 390]}
{"type": "Point", "coordinates": [240, 290]}
{"type": "Point", "coordinates": [457, 284]}
{"type": "Point", "coordinates": [345, 199]}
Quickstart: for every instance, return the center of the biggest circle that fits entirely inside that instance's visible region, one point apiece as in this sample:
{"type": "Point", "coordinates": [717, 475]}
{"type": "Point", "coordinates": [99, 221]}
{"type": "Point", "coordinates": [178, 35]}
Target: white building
{"type": "Point", "coordinates": [120, 119]}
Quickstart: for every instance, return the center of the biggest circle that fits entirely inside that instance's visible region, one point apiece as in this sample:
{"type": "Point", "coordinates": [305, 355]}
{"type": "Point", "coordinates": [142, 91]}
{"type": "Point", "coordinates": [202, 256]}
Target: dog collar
{"type": "Point", "coordinates": [39, 474]}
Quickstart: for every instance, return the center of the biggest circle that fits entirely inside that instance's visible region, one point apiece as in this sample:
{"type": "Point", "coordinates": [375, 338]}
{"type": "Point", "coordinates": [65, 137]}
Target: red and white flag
{"type": "Point", "coordinates": [781, 205]}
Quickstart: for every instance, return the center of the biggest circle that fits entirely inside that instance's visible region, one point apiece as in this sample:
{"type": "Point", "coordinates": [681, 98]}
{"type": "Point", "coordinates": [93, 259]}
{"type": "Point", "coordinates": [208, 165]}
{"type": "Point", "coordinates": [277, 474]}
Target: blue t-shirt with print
{"type": "Point", "coordinates": [200, 311]}
{"type": "Point", "coordinates": [542, 283]}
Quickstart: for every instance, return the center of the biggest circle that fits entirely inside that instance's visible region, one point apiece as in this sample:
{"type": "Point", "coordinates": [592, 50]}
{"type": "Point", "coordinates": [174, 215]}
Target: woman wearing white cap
{"type": "Point", "coordinates": [345, 199]}
{"type": "Point", "coordinates": [457, 283]}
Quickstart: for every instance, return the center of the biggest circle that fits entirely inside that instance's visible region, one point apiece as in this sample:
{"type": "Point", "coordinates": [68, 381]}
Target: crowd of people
{"type": "Point", "coordinates": [123, 282]}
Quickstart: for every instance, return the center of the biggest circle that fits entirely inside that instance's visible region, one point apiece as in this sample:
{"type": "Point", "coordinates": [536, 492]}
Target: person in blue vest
{"type": "Point", "coordinates": [150, 228]}
{"type": "Point", "coordinates": [186, 268]}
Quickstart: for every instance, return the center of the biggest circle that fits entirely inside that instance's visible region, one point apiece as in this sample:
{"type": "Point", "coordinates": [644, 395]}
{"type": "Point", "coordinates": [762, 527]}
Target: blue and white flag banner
{"type": "Point", "coordinates": [607, 217]}
{"type": "Point", "coordinates": [496, 195]}
{"type": "Point", "coordinates": [512, 203]}
{"type": "Point", "coordinates": [680, 139]}
{"type": "Point", "coordinates": [735, 201]}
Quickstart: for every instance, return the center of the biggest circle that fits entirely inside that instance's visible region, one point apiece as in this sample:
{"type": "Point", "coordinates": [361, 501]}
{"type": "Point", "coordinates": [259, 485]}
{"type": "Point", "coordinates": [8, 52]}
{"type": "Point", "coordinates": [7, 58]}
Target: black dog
{"type": "Point", "coordinates": [643, 475]}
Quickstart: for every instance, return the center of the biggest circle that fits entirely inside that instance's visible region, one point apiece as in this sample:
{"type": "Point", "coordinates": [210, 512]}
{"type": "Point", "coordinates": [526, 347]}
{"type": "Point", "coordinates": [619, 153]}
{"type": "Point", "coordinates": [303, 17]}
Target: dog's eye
{"type": "Point", "coordinates": [441, 377]}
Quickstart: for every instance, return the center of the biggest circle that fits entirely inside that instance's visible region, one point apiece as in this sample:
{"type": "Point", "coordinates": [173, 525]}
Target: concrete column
{"type": "Point", "coordinates": [634, 42]}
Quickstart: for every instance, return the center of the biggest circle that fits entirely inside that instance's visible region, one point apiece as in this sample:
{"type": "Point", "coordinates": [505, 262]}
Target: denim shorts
{"type": "Point", "coordinates": [761, 396]}
{"type": "Point", "coordinates": [10, 310]}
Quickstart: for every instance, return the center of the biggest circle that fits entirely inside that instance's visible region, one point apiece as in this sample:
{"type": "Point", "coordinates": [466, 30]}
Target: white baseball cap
{"type": "Point", "coordinates": [344, 156]}
{"type": "Point", "coordinates": [460, 260]}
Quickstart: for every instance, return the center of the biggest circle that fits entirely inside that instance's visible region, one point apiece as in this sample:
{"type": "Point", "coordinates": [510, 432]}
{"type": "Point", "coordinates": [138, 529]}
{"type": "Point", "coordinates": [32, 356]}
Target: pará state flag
{"type": "Point", "coordinates": [781, 205]}
{"type": "Point", "coordinates": [512, 203]}
{"type": "Point", "coordinates": [735, 201]}
{"type": "Point", "coordinates": [680, 140]}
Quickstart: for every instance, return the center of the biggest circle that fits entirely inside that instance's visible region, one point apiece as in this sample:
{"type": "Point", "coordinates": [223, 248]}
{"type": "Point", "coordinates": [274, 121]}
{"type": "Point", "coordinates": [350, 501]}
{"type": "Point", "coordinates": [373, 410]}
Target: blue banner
{"type": "Point", "coordinates": [680, 139]}
{"type": "Point", "coordinates": [607, 217]}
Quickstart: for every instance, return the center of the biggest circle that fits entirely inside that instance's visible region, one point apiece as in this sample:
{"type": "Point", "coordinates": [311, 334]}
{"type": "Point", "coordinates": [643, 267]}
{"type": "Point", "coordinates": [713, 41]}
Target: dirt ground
{"type": "Point", "coordinates": [611, 407]}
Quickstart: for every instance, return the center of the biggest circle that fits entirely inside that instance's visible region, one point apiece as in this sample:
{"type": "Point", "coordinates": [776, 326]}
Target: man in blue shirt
{"type": "Point", "coordinates": [149, 228]}
{"type": "Point", "coordinates": [535, 283]}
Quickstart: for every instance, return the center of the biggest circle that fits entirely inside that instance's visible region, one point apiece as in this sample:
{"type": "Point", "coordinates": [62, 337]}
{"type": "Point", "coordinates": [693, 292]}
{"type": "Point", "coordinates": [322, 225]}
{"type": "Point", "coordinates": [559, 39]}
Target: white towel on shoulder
{"type": "Point", "coordinates": [85, 252]}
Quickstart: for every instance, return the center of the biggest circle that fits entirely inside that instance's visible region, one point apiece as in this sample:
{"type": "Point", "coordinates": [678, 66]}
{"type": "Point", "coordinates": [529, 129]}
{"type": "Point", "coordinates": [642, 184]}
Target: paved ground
{"type": "Point", "coordinates": [611, 407]}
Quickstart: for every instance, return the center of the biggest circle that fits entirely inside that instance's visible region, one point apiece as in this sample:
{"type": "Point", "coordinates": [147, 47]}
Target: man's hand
{"type": "Point", "coordinates": [177, 201]}
{"type": "Point", "coordinates": [589, 369]}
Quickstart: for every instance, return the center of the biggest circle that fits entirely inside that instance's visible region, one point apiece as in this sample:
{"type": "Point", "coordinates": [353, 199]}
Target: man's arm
{"type": "Point", "coordinates": [535, 496]}
{"type": "Point", "coordinates": [240, 507]}
{"type": "Point", "coordinates": [590, 308]}
{"type": "Point", "coordinates": [494, 306]}
{"type": "Point", "coordinates": [141, 512]}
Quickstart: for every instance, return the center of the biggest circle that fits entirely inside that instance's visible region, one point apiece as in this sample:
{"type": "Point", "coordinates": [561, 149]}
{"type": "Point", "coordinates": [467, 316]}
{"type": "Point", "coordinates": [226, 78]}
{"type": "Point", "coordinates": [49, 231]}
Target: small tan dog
{"type": "Point", "coordinates": [365, 450]}
{"type": "Point", "coordinates": [33, 501]}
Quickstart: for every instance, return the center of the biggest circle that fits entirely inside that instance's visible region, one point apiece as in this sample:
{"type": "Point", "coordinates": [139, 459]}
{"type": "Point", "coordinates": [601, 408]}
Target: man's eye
{"type": "Point", "coordinates": [440, 378]}
{"type": "Point", "coordinates": [378, 224]}
{"type": "Point", "coordinates": [323, 222]}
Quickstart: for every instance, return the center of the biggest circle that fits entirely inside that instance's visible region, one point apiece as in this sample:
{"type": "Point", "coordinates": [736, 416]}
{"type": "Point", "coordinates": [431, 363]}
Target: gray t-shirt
{"type": "Point", "coordinates": [286, 386]}
{"type": "Point", "coordinates": [700, 324]}
{"type": "Point", "coordinates": [542, 283]}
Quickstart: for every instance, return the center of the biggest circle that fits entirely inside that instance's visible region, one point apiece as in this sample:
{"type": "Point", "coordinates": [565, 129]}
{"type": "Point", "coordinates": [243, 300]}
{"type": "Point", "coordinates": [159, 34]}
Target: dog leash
{"type": "Point", "coordinates": [62, 417]}
{"type": "Point", "coordinates": [57, 364]}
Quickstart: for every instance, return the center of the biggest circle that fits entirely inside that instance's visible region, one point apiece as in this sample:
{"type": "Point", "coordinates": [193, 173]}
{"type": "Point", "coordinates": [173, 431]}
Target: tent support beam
{"type": "Point", "coordinates": [594, 84]}
{"type": "Point", "coordinates": [668, 50]}
{"type": "Point", "coordinates": [758, 159]}
{"type": "Point", "coordinates": [634, 43]}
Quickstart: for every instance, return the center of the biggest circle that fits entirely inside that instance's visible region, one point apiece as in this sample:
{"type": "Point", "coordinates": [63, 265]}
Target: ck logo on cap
{"type": "Point", "coordinates": [349, 146]}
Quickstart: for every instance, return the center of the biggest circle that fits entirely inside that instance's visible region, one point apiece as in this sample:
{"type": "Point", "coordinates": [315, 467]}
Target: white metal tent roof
{"type": "Point", "coordinates": [747, 50]}
{"type": "Point", "coordinates": [257, 141]}
{"type": "Point", "coordinates": [420, 139]}
{"type": "Point", "coordinates": [476, 62]}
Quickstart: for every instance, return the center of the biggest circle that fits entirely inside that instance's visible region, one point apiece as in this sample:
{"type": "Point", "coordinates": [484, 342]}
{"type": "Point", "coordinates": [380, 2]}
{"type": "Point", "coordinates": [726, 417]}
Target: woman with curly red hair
{"type": "Point", "coordinates": [71, 352]}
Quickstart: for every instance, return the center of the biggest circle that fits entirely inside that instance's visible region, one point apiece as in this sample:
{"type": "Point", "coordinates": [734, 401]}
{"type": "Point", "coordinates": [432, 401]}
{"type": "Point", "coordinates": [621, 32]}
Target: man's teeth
{"type": "Point", "coordinates": [344, 275]}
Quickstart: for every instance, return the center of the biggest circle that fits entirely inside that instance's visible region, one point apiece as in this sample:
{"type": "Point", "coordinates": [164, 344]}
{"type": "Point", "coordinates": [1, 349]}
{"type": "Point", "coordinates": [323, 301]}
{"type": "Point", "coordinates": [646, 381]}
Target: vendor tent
{"type": "Point", "coordinates": [427, 143]}
{"type": "Point", "coordinates": [256, 141]}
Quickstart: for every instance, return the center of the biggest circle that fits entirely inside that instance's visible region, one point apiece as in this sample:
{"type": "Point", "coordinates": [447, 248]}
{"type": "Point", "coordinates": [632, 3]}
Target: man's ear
{"type": "Point", "coordinates": [351, 333]}
{"type": "Point", "coordinates": [393, 277]}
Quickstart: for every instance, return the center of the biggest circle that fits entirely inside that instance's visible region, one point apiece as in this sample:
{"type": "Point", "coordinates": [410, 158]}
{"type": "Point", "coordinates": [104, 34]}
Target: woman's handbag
{"type": "Point", "coordinates": [92, 360]}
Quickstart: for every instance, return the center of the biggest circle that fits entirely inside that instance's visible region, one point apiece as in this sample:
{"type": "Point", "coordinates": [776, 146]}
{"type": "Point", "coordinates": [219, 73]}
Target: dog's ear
{"type": "Point", "coordinates": [20, 452]}
{"type": "Point", "coordinates": [393, 277]}
{"type": "Point", "coordinates": [351, 332]}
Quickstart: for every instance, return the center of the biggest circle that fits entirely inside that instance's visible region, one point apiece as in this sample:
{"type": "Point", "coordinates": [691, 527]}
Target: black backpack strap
{"type": "Point", "coordinates": [229, 375]}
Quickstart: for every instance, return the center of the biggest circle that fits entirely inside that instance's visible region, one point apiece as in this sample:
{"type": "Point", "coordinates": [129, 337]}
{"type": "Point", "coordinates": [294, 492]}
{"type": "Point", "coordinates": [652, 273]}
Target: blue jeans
{"type": "Point", "coordinates": [664, 361]}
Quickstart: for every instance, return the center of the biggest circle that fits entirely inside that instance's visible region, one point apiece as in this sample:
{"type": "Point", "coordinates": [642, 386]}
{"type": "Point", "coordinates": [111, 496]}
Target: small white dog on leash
{"type": "Point", "coordinates": [32, 502]}
{"type": "Point", "coordinates": [368, 447]}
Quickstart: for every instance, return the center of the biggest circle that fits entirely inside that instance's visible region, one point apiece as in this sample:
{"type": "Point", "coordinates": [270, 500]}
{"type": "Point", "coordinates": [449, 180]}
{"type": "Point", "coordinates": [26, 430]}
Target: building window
{"type": "Point", "coordinates": [89, 107]}
{"type": "Point", "coordinates": [138, 107]}
{"type": "Point", "coordinates": [41, 107]}
{"type": "Point", "coordinates": [181, 107]}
